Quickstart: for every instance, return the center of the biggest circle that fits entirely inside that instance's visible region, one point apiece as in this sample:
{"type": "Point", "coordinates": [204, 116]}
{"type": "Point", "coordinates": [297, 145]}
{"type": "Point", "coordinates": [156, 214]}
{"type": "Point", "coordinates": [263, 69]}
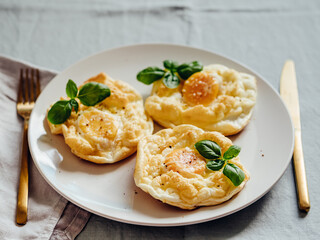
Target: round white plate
{"type": "Point", "coordinates": [109, 190]}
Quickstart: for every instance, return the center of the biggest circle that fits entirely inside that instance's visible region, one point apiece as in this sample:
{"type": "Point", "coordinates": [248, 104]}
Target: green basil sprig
{"type": "Point", "coordinates": [150, 74]}
{"type": "Point", "coordinates": [187, 69]}
{"type": "Point", "coordinates": [208, 149]}
{"type": "Point", "coordinates": [171, 74]}
{"type": "Point", "coordinates": [171, 65]}
{"type": "Point", "coordinates": [212, 151]}
{"type": "Point", "coordinates": [171, 80]}
{"type": "Point", "coordinates": [89, 94]}
{"type": "Point", "coordinates": [234, 173]}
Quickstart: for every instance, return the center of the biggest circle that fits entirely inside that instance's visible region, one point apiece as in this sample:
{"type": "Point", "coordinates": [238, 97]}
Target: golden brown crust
{"type": "Point", "coordinates": [122, 118]}
{"type": "Point", "coordinates": [186, 190]}
{"type": "Point", "coordinates": [228, 113]}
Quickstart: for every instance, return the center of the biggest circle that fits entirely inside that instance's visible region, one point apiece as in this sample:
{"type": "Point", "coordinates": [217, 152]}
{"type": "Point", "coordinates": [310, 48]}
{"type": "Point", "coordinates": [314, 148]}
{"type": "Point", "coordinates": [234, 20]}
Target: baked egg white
{"type": "Point", "coordinates": [109, 131]}
{"type": "Point", "coordinates": [170, 169]}
{"type": "Point", "coordinates": [215, 99]}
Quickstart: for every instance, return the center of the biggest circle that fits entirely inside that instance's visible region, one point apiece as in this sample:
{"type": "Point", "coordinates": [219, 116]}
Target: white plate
{"type": "Point", "coordinates": [109, 190]}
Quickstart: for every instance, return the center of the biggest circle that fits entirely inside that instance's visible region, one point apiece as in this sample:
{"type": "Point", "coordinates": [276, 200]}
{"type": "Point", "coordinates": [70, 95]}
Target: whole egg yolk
{"type": "Point", "coordinates": [98, 124]}
{"type": "Point", "coordinates": [185, 160]}
{"type": "Point", "coordinates": [200, 88]}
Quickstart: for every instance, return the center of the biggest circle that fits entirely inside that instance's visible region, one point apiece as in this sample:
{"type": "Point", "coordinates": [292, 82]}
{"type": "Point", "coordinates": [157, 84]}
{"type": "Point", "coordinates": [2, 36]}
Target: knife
{"type": "Point", "coordinates": [289, 93]}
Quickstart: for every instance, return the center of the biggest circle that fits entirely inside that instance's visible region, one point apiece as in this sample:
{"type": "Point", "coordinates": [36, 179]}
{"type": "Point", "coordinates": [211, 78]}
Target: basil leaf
{"type": "Point", "coordinates": [171, 80]}
{"type": "Point", "coordinates": [215, 165]}
{"type": "Point", "coordinates": [185, 70]}
{"type": "Point", "coordinates": [71, 89]}
{"type": "Point", "coordinates": [150, 75]}
{"type": "Point", "coordinates": [234, 173]}
{"type": "Point", "coordinates": [59, 112]}
{"type": "Point", "coordinates": [232, 152]}
{"type": "Point", "coordinates": [208, 149]}
{"type": "Point", "coordinates": [171, 65]}
{"type": "Point", "coordinates": [74, 104]}
{"type": "Point", "coordinates": [92, 93]}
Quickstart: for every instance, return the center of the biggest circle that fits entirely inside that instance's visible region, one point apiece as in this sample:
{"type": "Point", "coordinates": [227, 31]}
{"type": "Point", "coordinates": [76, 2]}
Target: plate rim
{"type": "Point", "coordinates": [141, 223]}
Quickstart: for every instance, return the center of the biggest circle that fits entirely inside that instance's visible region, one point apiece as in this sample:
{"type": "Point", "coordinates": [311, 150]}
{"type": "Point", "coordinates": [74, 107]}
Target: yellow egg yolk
{"type": "Point", "coordinates": [185, 160]}
{"type": "Point", "coordinates": [96, 124]}
{"type": "Point", "coordinates": [200, 88]}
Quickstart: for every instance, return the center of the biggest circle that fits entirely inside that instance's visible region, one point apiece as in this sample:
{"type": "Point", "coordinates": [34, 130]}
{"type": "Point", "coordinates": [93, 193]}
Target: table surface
{"type": "Point", "coordinates": [259, 34]}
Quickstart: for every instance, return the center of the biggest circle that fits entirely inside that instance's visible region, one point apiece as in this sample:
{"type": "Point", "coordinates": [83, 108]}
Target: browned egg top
{"type": "Point", "coordinates": [200, 88]}
{"type": "Point", "coordinates": [185, 160]}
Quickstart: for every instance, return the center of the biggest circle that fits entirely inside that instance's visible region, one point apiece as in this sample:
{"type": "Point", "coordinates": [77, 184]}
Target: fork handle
{"type": "Point", "coordinates": [22, 203]}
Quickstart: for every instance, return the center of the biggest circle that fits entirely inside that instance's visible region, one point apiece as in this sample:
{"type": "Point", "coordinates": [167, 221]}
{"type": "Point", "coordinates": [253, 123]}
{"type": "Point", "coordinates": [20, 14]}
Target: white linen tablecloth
{"type": "Point", "coordinates": [259, 34]}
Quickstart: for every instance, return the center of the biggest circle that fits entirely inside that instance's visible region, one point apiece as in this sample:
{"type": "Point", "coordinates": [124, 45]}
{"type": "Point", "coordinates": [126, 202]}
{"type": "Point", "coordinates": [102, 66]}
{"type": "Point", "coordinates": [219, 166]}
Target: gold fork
{"type": "Point", "coordinates": [29, 90]}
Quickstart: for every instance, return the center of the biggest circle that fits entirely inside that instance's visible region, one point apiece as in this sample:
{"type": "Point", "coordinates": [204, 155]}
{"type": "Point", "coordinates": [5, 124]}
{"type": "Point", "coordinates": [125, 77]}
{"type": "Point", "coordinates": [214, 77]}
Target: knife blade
{"type": "Point", "coordinates": [289, 94]}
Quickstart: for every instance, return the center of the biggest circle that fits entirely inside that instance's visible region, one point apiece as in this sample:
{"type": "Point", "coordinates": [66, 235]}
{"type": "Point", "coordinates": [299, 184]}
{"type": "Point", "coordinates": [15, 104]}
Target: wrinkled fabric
{"type": "Point", "coordinates": [45, 206]}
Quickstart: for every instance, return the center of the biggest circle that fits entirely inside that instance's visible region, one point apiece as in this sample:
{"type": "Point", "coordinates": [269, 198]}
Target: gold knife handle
{"type": "Point", "coordinates": [300, 172]}
{"type": "Point", "coordinates": [22, 204]}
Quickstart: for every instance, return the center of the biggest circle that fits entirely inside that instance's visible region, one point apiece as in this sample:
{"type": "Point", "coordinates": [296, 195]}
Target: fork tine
{"type": "Point", "coordinates": [32, 86]}
{"type": "Point", "coordinates": [26, 86]}
{"type": "Point", "coordinates": [38, 83]}
{"type": "Point", "coordinates": [20, 86]}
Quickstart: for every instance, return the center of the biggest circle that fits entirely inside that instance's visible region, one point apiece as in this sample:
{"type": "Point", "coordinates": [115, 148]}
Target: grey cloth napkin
{"type": "Point", "coordinates": [50, 216]}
